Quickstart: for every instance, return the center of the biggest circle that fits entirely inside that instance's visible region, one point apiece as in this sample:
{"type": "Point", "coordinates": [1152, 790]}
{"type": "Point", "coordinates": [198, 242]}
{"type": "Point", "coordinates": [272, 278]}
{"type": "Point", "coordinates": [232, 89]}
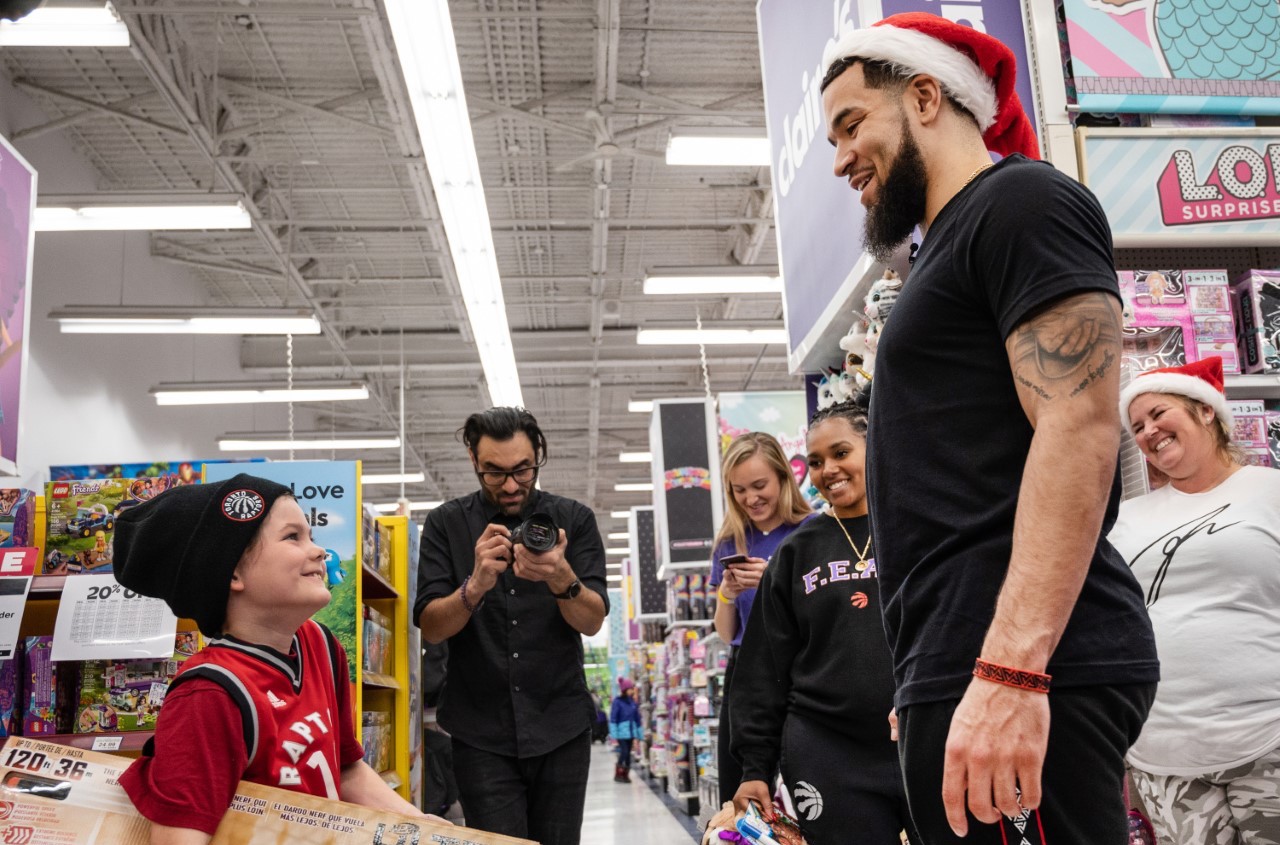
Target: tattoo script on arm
{"type": "Point", "coordinates": [1068, 348]}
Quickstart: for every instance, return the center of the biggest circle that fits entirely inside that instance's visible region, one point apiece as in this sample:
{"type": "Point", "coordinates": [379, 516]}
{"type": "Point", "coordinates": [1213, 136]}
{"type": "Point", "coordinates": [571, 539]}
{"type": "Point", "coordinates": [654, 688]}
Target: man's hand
{"type": "Point", "coordinates": [493, 555]}
{"type": "Point", "coordinates": [893, 724]}
{"type": "Point", "coordinates": [550, 566]}
{"type": "Point", "coordinates": [757, 791]}
{"type": "Point", "coordinates": [996, 746]}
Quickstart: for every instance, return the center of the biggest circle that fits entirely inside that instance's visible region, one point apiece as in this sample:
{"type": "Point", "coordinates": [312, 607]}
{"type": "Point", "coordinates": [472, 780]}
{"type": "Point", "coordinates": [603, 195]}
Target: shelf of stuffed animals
{"type": "Point", "coordinates": [383, 690]}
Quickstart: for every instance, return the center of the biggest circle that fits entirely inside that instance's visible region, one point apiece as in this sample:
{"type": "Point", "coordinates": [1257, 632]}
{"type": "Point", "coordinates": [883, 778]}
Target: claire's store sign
{"type": "Point", "coordinates": [1201, 186]}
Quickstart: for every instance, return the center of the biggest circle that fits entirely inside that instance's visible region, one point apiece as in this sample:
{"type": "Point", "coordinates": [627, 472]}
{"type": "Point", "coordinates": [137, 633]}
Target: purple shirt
{"type": "Point", "coordinates": [759, 544]}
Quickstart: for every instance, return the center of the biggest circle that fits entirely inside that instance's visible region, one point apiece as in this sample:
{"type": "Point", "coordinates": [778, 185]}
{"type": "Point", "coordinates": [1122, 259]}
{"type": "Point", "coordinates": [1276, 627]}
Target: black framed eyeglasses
{"type": "Point", "coordinates": [497, 478]}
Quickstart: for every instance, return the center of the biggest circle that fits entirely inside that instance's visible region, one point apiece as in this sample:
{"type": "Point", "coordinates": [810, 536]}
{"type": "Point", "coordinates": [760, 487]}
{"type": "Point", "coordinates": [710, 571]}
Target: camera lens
{"type": "Point", "coordinates": [538, 533]}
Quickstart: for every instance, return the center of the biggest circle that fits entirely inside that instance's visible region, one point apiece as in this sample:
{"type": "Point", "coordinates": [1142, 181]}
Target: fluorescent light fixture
{"type": "Point", "coordinates": [712, 280]}
{"type": "Point", "coordinates": [393, 478]}
{"type": "Point", "coordinates": [635, 457]}
{"type": "Point", "coordinates": [709, 337]}
{"type": "Point", "coordinates": [620, 514]}
{"type": "Point", "coordinates": [617, 552]}
{"type": "Point", "coordinates": [637, 487]}
{"type": "Point", "coordinates": [618, 535]}
{"type": "Point", "coordinates": [81, 26]}
{"type": "Point", "coordinates": [236, 393]}
{"type": "Point", "coordinates": [640, 406]}
{"type": "Point", "coordinates": [172, 319]}
{"type": "Point", "coordinates": [613, 564]}
{"type": "Point", "coordinates": [725, 146]}
{"type": "Point", "coordinates": [278, 441]}
{"type": "Point", "coordinates": [136, 211]}
{"type": "Point", "coordinates": [423, 35]}
{"type": "Point", "coordinates": [613, 579]}
{"type": "Point", "coordinates": [392, 507]}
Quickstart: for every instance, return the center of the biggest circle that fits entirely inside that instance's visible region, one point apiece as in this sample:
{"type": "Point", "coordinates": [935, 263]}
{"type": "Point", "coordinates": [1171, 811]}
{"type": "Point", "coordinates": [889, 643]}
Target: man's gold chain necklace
{"type": "Point", "coordinates": [862, 555]}
{"type": "Point", "coordinates": [974, 174]}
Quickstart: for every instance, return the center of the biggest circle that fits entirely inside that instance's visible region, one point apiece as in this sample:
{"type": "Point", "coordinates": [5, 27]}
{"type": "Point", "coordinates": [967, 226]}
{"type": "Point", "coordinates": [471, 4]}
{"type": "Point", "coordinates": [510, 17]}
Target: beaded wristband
{"type": "Point", "coordinates": [463, 595]}
{"type": "Point", "coordinates": [994, 672]}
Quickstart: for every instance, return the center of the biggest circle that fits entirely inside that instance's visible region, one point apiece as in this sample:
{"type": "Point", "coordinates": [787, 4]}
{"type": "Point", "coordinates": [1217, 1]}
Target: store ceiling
{"type": "Point", "coordinates": [300, 107]}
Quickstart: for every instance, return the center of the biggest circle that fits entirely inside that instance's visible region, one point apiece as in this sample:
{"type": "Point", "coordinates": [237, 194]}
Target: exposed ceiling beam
{"type": "Point", "coordinates": [28, 85]}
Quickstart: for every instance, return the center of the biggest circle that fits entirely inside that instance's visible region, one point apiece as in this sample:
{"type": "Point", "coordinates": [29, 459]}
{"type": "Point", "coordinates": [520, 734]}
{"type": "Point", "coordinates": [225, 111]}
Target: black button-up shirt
{"type": "Point", "coordinates": [514, 683]}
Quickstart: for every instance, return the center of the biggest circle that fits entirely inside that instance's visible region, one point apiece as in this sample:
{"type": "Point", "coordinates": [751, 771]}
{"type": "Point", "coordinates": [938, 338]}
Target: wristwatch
{"type": "Point", "coordinates": [571, 592]}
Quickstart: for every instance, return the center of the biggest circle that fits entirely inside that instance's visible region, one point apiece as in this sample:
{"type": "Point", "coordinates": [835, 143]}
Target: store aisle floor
{"type": "Point", "coordinates": [625, 813]}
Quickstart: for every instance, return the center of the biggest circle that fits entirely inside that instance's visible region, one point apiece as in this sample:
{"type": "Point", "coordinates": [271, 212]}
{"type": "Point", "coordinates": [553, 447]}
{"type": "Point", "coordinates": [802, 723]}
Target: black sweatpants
{"type": "Point", "coordinates": [1090, 729]}
{"type": "Point", "coordinates": [843, 793]}
{"type": "Point", "coordinates": [728, 768]}
{"type": "Point", "coordinates": [539, 798]}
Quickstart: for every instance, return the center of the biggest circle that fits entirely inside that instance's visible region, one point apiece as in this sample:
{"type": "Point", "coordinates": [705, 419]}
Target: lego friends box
{"type": "Point", "coordinates": [55, 795]}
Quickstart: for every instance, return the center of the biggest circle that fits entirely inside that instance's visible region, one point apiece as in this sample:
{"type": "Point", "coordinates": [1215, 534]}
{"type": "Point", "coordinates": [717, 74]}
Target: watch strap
{"type": "Point", "coordinates": [570, 591]}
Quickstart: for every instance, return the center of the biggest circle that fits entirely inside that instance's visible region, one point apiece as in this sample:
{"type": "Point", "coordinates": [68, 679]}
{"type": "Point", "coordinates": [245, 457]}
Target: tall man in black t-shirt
{"type": "Point", "coordinates": [515, 698]}
{"type": "Point", "coordinates": [991, 457]}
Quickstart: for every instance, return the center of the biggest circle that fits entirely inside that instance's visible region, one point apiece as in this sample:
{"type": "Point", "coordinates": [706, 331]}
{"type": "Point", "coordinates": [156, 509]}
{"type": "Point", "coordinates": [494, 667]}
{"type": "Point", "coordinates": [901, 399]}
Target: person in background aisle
{"type": "Point", "coordinates": [1206, 549]}
{"type": "Point", "coordinates": [991, 470]}
{"type": "Point", "coordinates": [814, 683]}
{"type": "Point", "coordinates": [624, 726]}
{"type": "Point", "coordinates": [765, 506]}
{"type": "Point", "coordinates": [269, 688]}
{"type": "Point", "coordinates": [515, 699]}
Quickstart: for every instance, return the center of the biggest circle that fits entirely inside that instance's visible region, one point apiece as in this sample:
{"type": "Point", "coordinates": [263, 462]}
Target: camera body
{"type": "Point", "coordinates": [539, 533]}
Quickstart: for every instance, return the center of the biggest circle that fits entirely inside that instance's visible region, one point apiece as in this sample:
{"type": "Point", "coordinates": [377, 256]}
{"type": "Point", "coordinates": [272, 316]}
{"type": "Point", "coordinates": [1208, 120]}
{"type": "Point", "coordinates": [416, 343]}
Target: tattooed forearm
{"type": "Point", "coordinates": [1066, 349]}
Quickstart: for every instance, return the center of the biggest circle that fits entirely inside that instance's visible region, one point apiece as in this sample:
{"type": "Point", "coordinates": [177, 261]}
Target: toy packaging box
{"type": "Point", "coordinates": [41, 693]}
{"type": "Point", "coordinates": [17, 518]}
{"type": "Point", "coordinates": [55, 795]}
{"type": "Point", "coordinates": [81, 523]}
{"type": "Point", "coordinates": [10, 698]}
{"type": "Point", "coordinates": [1273, 437]}
{"type": "Point", "coordinates": [126, 695]}
{"type": "Point", "coordinates": [1256, 304]}
{"type": "Point", "coordinates": [1251, 431]}
{"type": "Point", "coordinates": [1175, 317]}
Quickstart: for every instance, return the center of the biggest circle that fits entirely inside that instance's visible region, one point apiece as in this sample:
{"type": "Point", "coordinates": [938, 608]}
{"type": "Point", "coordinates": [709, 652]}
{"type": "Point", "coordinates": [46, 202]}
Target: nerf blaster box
{"type": "Point", "coordinates": [58, 795]}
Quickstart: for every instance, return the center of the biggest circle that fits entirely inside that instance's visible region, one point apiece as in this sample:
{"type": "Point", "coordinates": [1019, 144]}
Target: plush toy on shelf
{"type": "Point", "coordinates": [879, 303]}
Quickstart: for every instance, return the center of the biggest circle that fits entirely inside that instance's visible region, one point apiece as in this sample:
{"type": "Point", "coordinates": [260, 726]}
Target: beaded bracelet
{"type": "Point", "coordinates": [463, 595]}
{"type": "Point", "coordinates": [1032, 681]}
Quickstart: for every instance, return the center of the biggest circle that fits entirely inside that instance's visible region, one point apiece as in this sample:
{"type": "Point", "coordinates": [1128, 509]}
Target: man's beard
{"type": "Point", "coordinates": [902, 201]}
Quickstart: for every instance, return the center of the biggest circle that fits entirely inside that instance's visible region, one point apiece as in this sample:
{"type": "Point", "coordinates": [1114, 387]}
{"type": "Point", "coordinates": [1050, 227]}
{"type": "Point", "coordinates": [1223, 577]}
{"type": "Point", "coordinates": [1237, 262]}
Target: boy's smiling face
{"type": "Point", "coordinates": [282, 570]}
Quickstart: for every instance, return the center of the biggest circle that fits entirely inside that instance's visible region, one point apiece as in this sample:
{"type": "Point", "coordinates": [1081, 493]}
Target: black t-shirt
{"type": "Point", "coordinates": [948, 438]}
{"type": "Point", "coordinates": [514, 684]}
{"type": "Point", "coordinates": [814, 646]}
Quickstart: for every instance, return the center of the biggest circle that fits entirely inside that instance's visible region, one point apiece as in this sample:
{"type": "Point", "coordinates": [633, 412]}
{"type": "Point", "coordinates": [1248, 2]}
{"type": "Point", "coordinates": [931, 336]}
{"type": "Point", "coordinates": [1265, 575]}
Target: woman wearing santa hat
{"type": "Point", "coordinates": [1206, 549]}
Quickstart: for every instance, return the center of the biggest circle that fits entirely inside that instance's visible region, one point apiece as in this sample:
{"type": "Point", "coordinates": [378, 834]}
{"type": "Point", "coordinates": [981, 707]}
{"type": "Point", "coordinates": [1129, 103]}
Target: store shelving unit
{"type": "Point", "coordinates": [377, 691]}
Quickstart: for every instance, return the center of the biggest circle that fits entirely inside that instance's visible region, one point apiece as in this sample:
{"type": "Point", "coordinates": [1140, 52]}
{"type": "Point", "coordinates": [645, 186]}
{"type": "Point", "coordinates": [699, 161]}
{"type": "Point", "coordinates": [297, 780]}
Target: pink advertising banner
{"type": "Point", "coordinates": [17, 240]}
{"type": "Point", "coordinates": [1159, 187]}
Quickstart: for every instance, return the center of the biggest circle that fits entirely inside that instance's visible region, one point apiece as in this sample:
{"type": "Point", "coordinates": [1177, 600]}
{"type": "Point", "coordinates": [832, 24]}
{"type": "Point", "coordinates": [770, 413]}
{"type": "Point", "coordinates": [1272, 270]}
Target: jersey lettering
{"type": "Point", "coordinates": [316, 720]}
{"type": "Point", "coordinates": [295, 750]}
{"type": "Point", "coordinates": [289, 777]}
{"type": "Point", "coordinates": [301, 729]}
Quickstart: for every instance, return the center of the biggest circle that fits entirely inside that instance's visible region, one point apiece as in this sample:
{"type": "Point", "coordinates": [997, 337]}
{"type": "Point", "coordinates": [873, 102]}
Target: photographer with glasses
{"type": "Point", "coordinates": [512, 577]}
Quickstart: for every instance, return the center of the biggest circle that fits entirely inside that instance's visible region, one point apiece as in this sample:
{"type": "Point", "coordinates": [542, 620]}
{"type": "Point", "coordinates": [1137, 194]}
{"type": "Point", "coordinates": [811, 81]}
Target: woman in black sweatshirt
{"type": "Point", "coordinates": [814, 685]}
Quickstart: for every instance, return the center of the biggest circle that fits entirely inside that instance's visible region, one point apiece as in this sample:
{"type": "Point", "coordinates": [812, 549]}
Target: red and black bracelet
{"type": "Point", "coordinates": [994, 672]}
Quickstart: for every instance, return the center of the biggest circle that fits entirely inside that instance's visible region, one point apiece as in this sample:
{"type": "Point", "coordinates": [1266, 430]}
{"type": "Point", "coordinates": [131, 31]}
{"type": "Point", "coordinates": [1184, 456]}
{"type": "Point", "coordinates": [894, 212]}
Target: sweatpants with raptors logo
{"type": "Point", "coordinates": [1082, 785]}
{"type": "Point", "coordinates": [842, 793]}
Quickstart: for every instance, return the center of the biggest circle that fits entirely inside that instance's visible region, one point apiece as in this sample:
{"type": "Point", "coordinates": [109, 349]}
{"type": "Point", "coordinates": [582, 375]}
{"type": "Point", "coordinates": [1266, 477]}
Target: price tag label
{"type": "Point", "coordinates": [107, 743]}
{"type": "Point", "coordinates": [98, 619]}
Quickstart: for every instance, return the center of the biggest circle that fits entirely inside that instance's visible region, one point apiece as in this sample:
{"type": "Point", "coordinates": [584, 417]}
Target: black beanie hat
{"type": "Point", "coordinates": [183, 545]}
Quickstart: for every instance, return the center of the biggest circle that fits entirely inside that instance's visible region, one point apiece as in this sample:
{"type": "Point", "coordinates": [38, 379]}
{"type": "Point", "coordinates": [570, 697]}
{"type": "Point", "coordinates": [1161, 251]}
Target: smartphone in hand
{"type": "Point", "coordinates": [733, 560]}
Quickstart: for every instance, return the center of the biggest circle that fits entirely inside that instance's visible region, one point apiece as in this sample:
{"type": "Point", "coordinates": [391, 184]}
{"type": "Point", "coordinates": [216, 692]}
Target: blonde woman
{"type": "Point", "coordinates": [765, 506]}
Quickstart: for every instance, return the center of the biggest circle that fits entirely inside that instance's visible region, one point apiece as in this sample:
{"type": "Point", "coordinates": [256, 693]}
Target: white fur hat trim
{"type": "Point", "coordinates": [917, 53]}
{"type": "Point", "coordinates": [1179, 385]}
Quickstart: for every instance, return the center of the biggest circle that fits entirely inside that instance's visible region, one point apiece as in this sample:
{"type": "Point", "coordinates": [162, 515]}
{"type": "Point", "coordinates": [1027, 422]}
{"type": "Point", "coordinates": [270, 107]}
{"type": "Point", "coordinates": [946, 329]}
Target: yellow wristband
{"type": "Point", "coordinates": [720, 596]}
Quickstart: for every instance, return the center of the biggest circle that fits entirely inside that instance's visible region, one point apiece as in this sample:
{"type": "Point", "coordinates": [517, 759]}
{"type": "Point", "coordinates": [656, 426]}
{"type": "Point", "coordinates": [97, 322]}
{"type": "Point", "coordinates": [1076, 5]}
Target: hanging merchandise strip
{"type": "Point", "coordinates": [702, 353]}
{"type": "Point", "coordinates": [288, 346]}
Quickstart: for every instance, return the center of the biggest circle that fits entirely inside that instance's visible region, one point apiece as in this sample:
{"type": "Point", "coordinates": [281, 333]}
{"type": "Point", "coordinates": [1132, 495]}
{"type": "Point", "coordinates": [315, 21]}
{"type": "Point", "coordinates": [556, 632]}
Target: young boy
{"type": "Point", "coordinates": [268, 699]}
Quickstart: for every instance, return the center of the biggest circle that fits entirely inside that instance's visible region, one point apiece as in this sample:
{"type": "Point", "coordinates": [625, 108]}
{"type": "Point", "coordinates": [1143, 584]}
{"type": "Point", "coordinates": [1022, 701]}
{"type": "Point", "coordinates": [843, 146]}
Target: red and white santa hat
{"type": "Point", "coordinates": [1201, 381]}
{"type": "Point", "coordinates": [976, 70]}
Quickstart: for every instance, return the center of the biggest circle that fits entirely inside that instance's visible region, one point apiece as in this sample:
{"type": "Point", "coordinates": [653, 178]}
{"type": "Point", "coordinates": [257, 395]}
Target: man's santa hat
{"type": "Point", "coordinates": [974, 69]}
{"type": "Point", "coordinates": [1201, 381]}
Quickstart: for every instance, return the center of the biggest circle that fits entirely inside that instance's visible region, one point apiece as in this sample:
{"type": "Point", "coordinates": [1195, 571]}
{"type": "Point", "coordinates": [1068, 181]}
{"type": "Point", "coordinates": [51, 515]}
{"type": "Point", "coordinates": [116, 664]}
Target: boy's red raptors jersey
{"type": "Point", "coordinates": [289, 708]}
